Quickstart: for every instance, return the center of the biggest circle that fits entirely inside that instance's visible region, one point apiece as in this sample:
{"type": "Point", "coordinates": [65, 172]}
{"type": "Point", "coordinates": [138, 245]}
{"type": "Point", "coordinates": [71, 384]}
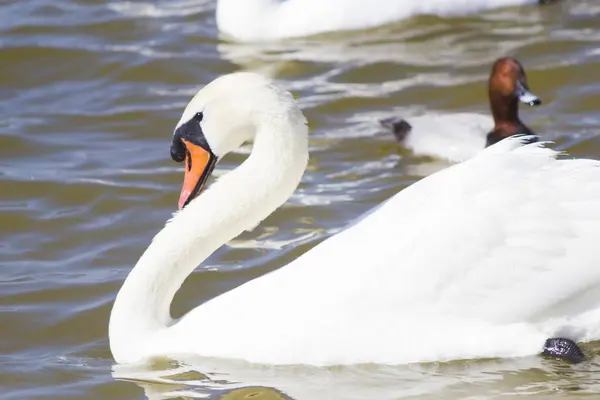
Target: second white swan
{"type": "Point", "coordinates": [256, 20]}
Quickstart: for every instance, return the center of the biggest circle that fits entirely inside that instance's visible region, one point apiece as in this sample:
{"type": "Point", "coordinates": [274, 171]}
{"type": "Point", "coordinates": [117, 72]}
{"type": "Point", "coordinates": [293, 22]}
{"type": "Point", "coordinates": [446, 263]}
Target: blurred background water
{"type": "Point", "coordinates": [91, 91]}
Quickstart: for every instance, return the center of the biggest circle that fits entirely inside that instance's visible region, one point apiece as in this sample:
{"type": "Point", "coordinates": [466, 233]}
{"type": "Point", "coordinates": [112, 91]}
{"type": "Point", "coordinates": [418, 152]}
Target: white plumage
{"type": "Point", "coordinates": [486, 258]}
{"type": "Point", "coordinates": [453, 137]}
{"type": "Point", "coordinates": [255, 20]}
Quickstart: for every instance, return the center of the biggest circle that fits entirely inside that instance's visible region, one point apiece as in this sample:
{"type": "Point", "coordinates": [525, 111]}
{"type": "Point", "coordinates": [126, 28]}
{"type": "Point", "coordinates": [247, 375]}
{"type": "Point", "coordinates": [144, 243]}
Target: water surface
{"type": "Point", "coordinates": [91, 91]}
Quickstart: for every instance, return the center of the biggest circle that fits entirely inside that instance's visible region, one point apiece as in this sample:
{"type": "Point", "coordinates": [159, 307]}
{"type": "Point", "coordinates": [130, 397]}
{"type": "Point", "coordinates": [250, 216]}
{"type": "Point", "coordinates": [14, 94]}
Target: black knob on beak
{"type": "Point", "coordinates": [177, 149]}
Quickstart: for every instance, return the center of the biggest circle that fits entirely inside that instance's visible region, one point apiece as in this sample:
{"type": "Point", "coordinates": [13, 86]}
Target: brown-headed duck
{"type": "Point", "coordinates": [457, 137]}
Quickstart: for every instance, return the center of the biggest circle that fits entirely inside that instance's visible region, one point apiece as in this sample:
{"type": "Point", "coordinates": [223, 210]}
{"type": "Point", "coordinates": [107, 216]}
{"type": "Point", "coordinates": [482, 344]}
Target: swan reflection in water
{"type": "Point", "coordinates": [205, 378]}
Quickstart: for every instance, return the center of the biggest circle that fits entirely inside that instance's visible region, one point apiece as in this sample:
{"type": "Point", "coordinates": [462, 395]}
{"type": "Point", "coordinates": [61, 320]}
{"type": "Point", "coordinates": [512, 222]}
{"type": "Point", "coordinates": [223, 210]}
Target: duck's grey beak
{"type": "Point", "coordinates": [525, 96]}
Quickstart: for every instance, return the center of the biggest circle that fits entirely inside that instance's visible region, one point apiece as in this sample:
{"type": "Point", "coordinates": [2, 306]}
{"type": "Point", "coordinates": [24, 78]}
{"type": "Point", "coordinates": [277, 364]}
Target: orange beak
{"type": "Point", "coordinates": [198, 166]}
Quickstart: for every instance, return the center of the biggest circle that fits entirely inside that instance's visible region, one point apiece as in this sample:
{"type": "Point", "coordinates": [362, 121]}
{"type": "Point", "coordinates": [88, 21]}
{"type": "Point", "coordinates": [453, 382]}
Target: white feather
{"type": "Point", "coordinates": [487, 258]}
{"type": "Point", "coordinates": [254, 20]}
{"type": "Point", "coordinates": [453, 137]}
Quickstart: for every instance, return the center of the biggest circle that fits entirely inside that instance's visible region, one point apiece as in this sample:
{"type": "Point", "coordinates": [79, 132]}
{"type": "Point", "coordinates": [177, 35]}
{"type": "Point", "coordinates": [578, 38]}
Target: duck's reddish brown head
{"type": "Point", "coordinates": [507, 87]}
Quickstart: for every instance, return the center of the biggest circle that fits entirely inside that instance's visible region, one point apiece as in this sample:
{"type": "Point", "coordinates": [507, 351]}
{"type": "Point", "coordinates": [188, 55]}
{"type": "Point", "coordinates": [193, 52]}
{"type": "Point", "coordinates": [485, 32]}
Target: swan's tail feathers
{"type": "Point", "coordinates": [524, 138]}
{"type": "Point", "coordinates": [399, 127]}
{"type": "Point", "coordinates": [563, 348]}
{"type": "Point", "coordinates": [521, 143]}
{"type": "Point", "coordinates": [530, 138]}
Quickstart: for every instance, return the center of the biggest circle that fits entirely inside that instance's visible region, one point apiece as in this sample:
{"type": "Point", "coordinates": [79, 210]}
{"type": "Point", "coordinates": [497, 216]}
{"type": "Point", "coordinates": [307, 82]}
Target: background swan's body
{"type": "Point", "coordinates": [486, 258]}
{"type": "Point", "coordinates": [252, 20]}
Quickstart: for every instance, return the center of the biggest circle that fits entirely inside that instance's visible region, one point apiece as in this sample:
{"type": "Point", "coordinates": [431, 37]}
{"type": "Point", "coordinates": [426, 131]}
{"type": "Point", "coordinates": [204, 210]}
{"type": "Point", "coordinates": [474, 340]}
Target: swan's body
{"type": "Point", "coordinates": [486, 258]}
{"type": "Point", "coordinates": [254, 20]}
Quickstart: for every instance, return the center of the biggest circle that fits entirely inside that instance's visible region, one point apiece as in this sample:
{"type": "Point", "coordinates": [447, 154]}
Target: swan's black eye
{"type": "Point", "coordinates": [198, 116]}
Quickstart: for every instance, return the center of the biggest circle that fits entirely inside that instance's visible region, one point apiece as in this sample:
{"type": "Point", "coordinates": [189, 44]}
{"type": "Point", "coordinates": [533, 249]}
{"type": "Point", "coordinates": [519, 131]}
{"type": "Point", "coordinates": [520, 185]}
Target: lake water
{"type": "Point", "coordinates": [91, 92]}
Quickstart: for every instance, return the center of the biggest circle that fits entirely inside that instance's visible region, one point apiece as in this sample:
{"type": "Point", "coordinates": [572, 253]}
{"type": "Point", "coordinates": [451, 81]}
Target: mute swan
{"type": "Point", "coordinates": [456, 137]}
{"type": "Point", "coordinates": [256, 20]}
{"type": "Point", "coordinates": [487, 258]}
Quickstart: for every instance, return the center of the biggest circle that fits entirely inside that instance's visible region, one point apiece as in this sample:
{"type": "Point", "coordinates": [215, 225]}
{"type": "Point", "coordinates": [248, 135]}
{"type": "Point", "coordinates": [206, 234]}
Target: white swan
{"type": "Point", "coordinates": [486, 258]}
{"type": "Point", "coordinates": [256, 20]}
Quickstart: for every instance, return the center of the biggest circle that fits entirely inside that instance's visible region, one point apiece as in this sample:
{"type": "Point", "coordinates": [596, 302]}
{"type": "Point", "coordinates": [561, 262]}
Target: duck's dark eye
{"type": "Point", "coordinates": [198, 117]}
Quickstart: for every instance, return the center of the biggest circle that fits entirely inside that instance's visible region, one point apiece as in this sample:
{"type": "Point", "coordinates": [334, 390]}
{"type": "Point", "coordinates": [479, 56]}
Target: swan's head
{"type": "Point", "coordinates": [220, 118]}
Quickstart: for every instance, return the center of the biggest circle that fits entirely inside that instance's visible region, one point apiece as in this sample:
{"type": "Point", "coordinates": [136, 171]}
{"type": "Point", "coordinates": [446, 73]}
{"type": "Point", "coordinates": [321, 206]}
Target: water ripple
{"type": "Point", "coordinates": [91, 91]}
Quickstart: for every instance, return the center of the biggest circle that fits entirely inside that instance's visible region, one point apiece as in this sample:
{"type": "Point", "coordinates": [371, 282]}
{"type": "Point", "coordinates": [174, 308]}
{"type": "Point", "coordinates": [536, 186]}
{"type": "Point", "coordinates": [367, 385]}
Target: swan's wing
{"type": "Point", "coordinates": [472, 261]}
{"type": "Point", "coordinates": [510, 235]}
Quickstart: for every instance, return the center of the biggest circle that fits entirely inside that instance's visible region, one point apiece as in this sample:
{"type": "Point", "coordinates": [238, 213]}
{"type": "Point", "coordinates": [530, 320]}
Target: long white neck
{"type": "Point", "coordinates": [238, 201]}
